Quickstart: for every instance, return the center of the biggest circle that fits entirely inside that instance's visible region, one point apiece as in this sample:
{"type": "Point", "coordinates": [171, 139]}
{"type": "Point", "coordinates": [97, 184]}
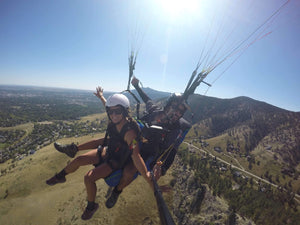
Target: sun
{"type": "Point", "coordinates": [177, 9]}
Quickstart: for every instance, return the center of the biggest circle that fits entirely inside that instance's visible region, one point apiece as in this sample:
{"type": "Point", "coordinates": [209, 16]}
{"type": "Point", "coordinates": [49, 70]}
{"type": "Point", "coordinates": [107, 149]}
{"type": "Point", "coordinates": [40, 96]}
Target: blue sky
{"type": "Point", "coordinates": [85, 43]}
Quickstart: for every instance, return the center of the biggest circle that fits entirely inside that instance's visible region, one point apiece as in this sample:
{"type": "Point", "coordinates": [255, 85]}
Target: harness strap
{"type": "Point", "coordinates": [105, 138]}
{"type": "Point", "coordinates": [168, 150]}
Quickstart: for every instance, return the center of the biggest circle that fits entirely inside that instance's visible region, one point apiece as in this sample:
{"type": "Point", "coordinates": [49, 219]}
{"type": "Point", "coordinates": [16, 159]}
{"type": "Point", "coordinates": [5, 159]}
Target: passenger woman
{"type": "Point", "coordinates": [117, 149]}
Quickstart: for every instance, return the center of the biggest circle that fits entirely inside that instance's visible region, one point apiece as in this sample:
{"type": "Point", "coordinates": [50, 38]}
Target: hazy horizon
{"type": "Point", "coordinates": [84, 44]}
{"type": "Point", "coordinates": [108, 91]}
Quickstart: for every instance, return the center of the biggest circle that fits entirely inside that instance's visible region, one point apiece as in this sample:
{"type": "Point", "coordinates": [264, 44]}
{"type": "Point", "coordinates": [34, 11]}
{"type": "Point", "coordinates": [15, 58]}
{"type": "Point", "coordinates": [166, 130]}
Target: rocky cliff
{"type": "Point", "coordinates": [193, 202]}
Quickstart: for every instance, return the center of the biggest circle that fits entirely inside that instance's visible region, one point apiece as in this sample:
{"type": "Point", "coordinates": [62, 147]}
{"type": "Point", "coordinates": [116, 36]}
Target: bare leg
{"type": "Point", "coordinates": [88, 158]}
{"type": "Point", "coordinates": [90, 144]}
{"type": "Point", "coordinates": [127, 176]}
{"type": "Point", "coordinates": [101, 171]}
{"type": "Point", "coordinates": [72, 149]}
{"type": "Point", "coordinates": [126, 179]}
{"type": "Point", "coordinates": [92, 176]}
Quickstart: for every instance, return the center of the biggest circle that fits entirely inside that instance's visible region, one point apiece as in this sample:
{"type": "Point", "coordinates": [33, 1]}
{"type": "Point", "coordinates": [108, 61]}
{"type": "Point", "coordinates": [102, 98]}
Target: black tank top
{"type": "Point", "coordinates": [118, 149]}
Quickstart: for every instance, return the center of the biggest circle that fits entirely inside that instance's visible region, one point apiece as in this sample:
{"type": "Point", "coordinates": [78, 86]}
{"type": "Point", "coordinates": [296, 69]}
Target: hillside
{"type": "Point", "coordinates": [261, 132]}
{"type": "Point", "coordinates": [153, 94]}
{"type": "Point", "coordinates": [26, 199]}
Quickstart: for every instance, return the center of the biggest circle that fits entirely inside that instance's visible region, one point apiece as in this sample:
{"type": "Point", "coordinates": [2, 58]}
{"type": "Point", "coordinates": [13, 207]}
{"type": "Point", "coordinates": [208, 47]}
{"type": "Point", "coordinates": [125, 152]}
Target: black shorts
{"type": "Point", "coordinates": [116, 160]}
{"type": "Point", "coordinates": [99, 154]}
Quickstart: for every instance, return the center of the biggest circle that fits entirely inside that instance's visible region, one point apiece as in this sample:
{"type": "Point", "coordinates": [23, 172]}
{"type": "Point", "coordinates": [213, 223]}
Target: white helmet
{"type": "Point", "coordinates": [117, 99]}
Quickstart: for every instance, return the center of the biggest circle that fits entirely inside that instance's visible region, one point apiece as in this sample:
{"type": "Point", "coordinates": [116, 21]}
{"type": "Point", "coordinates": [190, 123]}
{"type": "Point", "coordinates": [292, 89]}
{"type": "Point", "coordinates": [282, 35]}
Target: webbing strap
{"type": "Point", "coordinates": [168, 150]}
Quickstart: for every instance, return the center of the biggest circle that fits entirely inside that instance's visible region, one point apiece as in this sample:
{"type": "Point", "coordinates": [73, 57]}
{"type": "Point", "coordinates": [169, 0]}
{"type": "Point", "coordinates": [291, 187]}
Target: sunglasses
{"type": "Point", "coordinates": [178, 109]}
{"type": "Point", "coordinates": [116, 111]}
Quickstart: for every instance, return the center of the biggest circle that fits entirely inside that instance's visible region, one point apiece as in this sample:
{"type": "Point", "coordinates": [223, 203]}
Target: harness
{"type": "Point", "coordinates": [118, 151]}
{"type": "Point", "coordinates": [114, 179]}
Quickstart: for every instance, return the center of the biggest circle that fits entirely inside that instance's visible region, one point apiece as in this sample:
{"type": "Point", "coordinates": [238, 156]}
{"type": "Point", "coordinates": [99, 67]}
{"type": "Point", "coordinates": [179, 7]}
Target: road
{"type": "Point", "coordinates": [238, 168]}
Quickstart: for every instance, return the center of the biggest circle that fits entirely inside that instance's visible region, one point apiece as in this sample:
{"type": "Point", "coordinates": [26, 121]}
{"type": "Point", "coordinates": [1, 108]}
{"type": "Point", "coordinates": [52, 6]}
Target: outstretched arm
{"type": "Point", "coordinates": [143, 95]}
{"type": "Point", "coordinates": [138, 161]}
{"type": "Point", "coordinates": [99, 94]}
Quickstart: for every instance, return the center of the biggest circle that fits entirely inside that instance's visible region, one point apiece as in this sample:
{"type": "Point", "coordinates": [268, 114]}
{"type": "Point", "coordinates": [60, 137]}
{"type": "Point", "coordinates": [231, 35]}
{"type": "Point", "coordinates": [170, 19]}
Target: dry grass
{"type": "Point", "coordinates": [28, 127]}
{"type": "Point", "coordinates": [94, 117]}
{"type": "Point", "coordinates": [30, 201]}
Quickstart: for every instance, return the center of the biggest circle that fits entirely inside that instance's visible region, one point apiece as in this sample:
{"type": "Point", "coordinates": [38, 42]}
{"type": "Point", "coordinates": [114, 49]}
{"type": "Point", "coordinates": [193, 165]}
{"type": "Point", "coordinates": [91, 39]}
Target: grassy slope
{"type": "Point", "coordinates": [31, 201]}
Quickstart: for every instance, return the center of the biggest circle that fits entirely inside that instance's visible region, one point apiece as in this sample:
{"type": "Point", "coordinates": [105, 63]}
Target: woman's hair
{"type": "Point", "coordinates": [136, 127]}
